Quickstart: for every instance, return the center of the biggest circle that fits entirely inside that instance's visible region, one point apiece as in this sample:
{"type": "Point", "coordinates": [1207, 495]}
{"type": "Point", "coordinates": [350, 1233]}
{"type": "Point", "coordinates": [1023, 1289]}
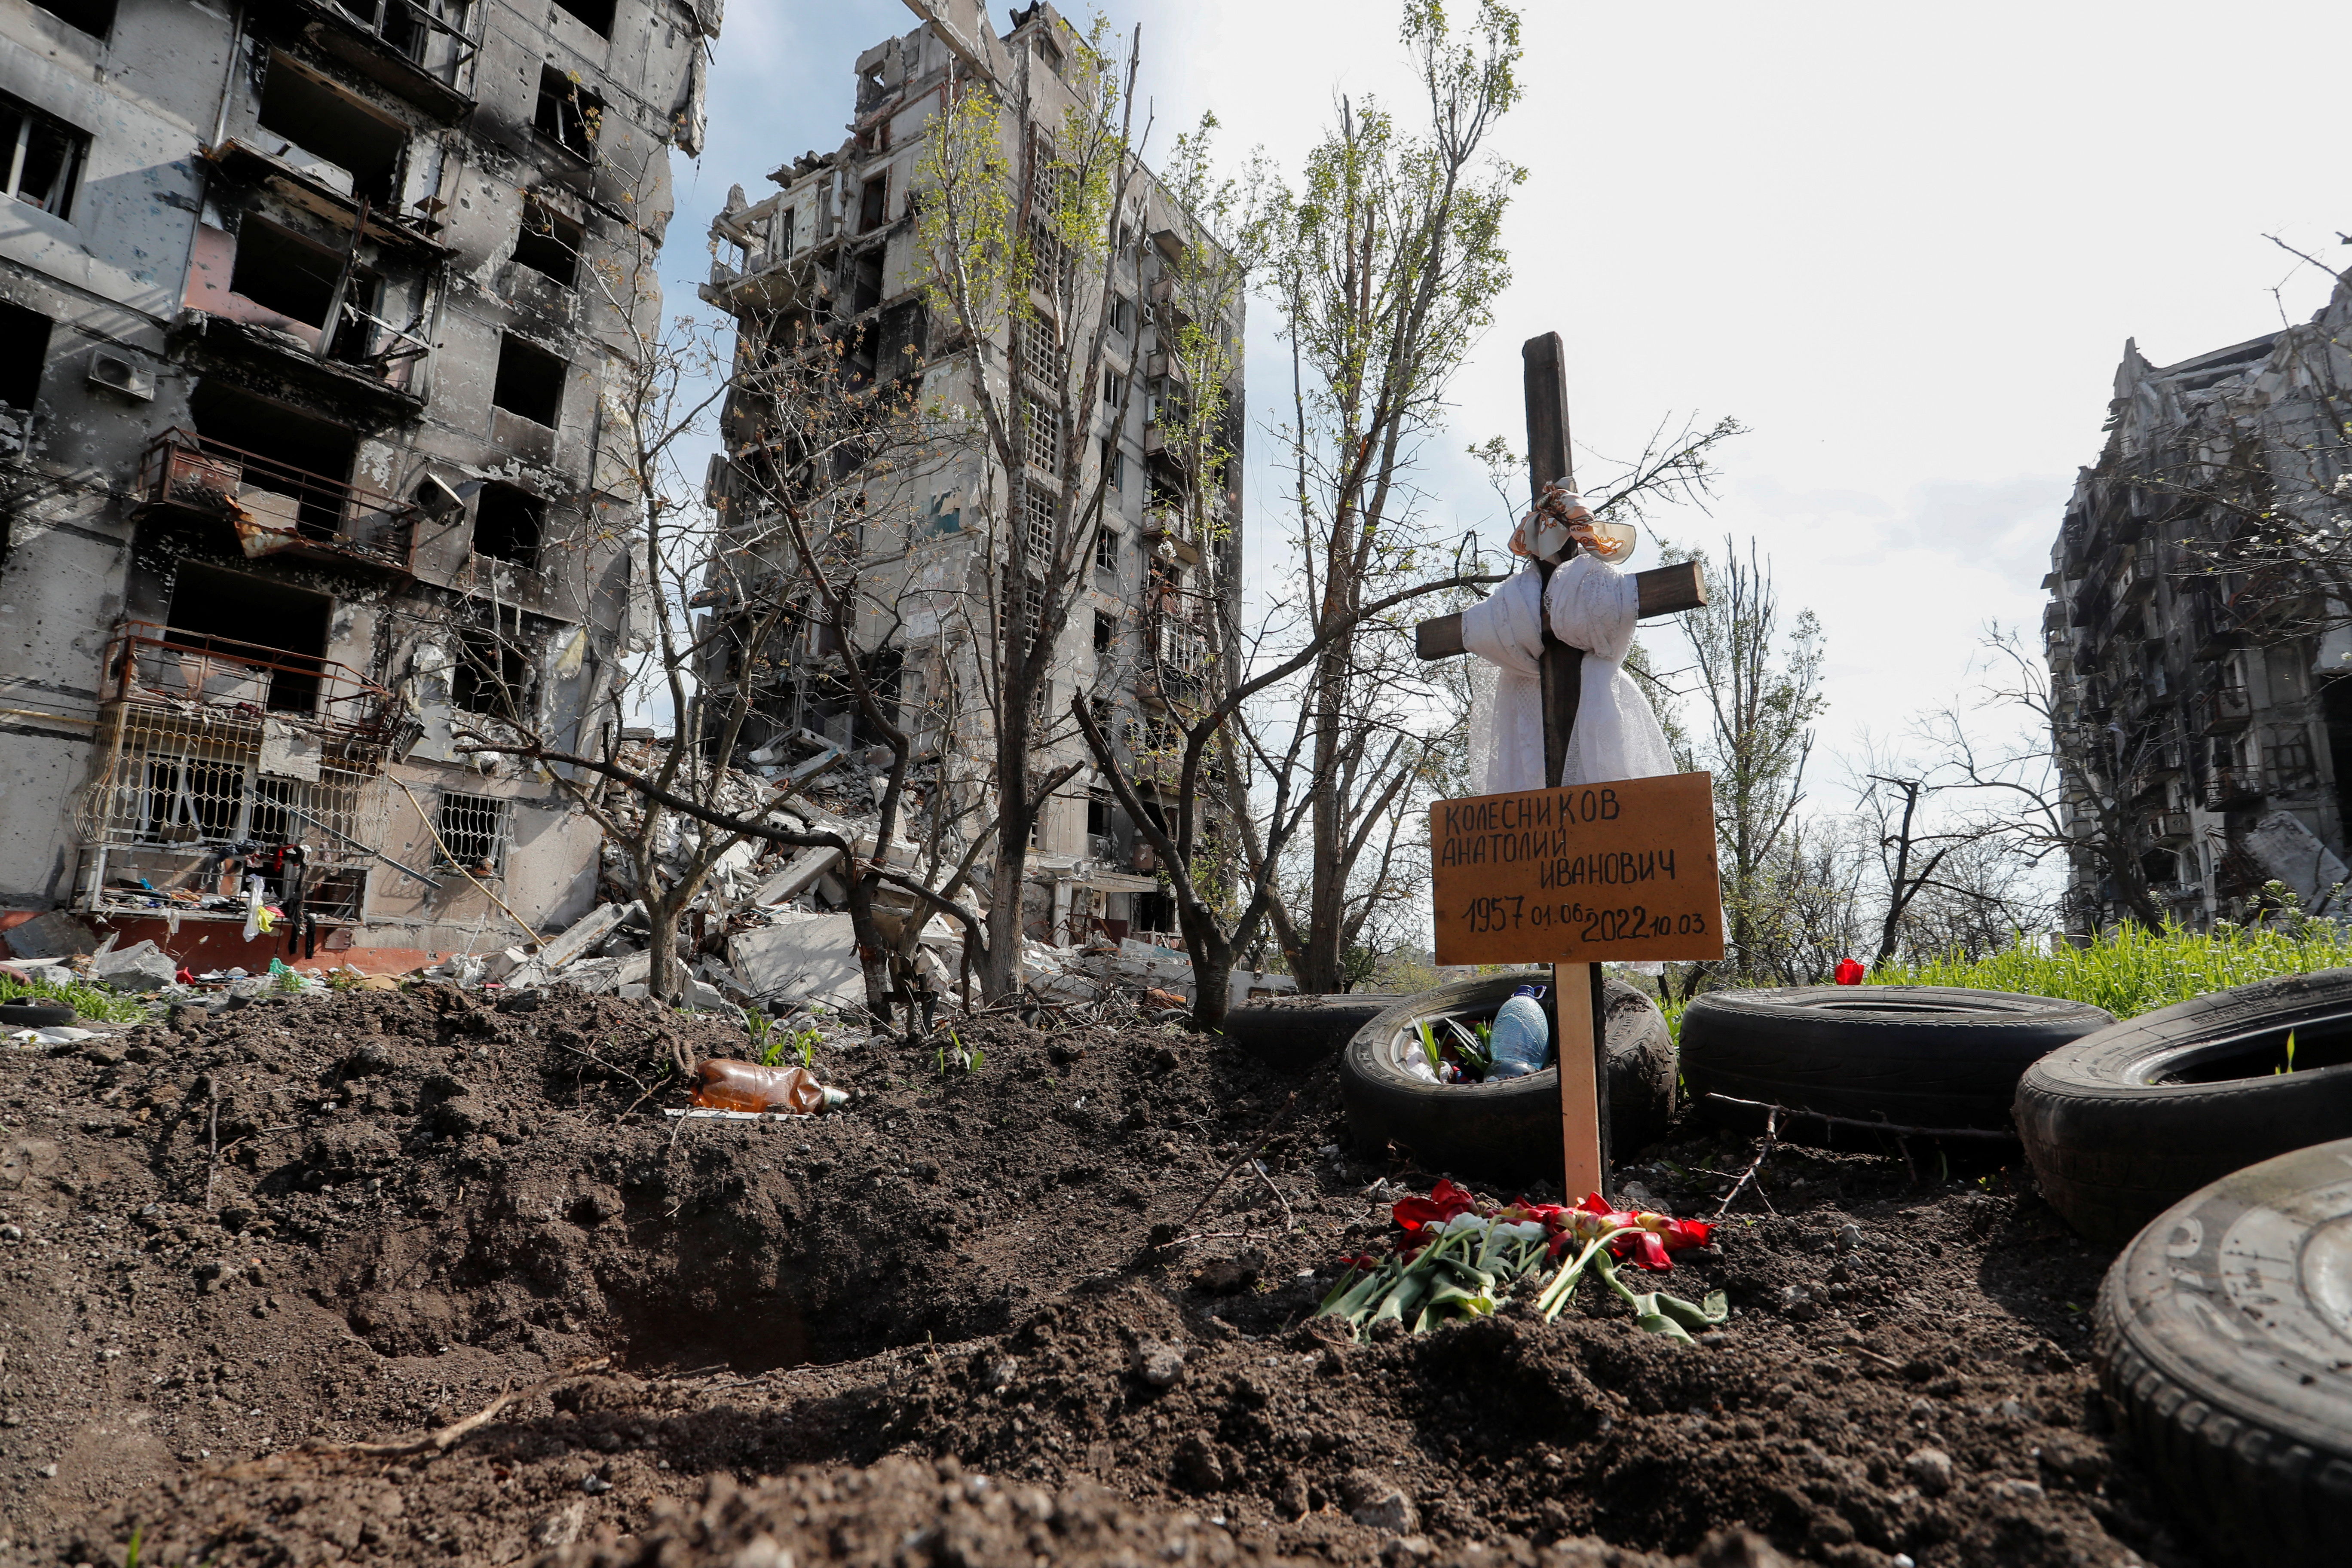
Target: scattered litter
{"type": "Point", "coordinates": [724, 1084]}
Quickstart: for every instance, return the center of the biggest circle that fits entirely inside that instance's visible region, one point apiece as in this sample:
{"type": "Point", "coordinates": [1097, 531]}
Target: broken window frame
{"type": "Point", "coordinates": [558, 95]}
{"type": "Point", "coordinates": [491, 673]}
{"type": "Point", "coordinates": [22, 372]}
{"type": "Point", "coordinates": [545, 228]}
{"type": "Point", "coordinates": [527, 504]}
{"type": "Point", "coordinates": [473, 834]}
{"type": "Point", "coordinates": [521, 347]}
{"type": "Point", "coordinates": [73, 147]}
{"type": "Point", "coordinates": [608, 10]}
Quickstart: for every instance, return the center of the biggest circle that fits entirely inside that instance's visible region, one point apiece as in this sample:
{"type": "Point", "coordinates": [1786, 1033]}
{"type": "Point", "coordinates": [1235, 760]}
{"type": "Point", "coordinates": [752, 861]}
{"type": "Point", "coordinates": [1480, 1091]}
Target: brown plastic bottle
{"type": "Point", "coordinates": [723, 1084]}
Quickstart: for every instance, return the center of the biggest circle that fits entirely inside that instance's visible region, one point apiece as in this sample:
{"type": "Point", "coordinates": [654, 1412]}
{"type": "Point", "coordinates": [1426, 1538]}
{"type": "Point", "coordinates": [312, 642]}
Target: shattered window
{"type": "Point", "coordinates": [192, 798]}
{"type": "Point", "coordinates": [569, 114]}
{"type": "Point", "coordinates": [874, 203]}
{"type": "Point", "coordinates": [1106, 550]}
{"type": "Point", "coordinates": [507, 524]}
{"type": "Point", "coordinates": [530, 382]}
{"type": "Point", "coordinates": [548, 243]}
{"type": "Point", "coordinates": [23, 348]}
{"type": "Point", "coordinates": [493, 675]}
{"type": "Point", "coordinates": [596, 14]}
{"type": "Point", "coordinates": [92, 17]}
{"type": "Point", "coordinates": [472, 830]}
{"type": "Point", "coordinates": [362, 149]}
{"type": "Point", "coordinates": [44, 157]}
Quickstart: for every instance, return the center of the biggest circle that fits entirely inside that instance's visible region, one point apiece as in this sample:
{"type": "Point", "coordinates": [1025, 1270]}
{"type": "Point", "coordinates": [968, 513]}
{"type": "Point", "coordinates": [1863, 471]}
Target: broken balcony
{"type": "Point", "coordinates": [767, 280]}
{"type": "Point", "coordinates": [417, 49]}
{"type": "Point", "coordinates": [212, 749]}
{"type": "Point", "coordinates": [274, 508]}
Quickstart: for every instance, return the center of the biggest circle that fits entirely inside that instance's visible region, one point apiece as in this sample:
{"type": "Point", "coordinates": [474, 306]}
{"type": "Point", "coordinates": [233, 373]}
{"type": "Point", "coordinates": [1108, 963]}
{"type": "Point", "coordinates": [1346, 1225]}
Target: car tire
{"type": "Point", "coordinates": [36, 1016]}
{"type": "Point", "coordinates": [1509, 1130]}
{"type": "Point", "coordinates": [1917, 1056]}
{"type": "Point", "coordinates": [2223, 1347]}
{"type": "Point", "coordinates": [1291, 1034]}
{"type": "Point", "coordinates": [2124, 1122]}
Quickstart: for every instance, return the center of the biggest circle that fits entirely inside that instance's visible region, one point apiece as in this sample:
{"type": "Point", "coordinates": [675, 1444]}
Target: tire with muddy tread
{"type": "Point", "coordinates": [1509, 1130]}
{"type": "Point", "coordinates": [36, 1016]}
{"type": "Point", "coordinates": [1291, 1034]}
{"type": "Point", "coordinates": [1917, 1055]}
{"type": "Point", "coordinates": [2223, 1346]}
{"type": "Point", "coordinates": [2124, 1122]}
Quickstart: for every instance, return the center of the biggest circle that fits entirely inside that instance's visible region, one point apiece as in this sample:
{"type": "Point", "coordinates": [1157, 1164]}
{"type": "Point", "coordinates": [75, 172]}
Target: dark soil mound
{"type": "Point", "coordinates": [419, 1201]}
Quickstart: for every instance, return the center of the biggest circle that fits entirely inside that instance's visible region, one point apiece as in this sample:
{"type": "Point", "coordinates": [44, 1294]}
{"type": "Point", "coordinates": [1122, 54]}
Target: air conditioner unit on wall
{"type": "Point", "coordinates": [119, 373]}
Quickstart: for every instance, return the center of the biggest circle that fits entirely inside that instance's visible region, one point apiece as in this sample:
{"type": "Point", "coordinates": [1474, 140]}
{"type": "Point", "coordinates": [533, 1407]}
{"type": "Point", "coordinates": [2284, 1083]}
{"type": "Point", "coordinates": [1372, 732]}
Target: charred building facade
{"type": "Point", "coordinates": [302, 362]}
{"type": "Point", "coordinates": [2197, 635]}
{"type": "Point", "coordinates": [833, 255]}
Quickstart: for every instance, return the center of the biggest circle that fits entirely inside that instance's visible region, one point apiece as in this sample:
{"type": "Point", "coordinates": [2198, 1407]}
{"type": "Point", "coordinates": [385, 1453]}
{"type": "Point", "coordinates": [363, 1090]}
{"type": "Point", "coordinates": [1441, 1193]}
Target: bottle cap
{"type": "Point", "coordinates": [1535, 991]}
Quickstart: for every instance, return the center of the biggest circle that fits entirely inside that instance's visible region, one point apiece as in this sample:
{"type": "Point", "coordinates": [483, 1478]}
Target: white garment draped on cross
{"type": "Point", "coordinates": [1591, 606]}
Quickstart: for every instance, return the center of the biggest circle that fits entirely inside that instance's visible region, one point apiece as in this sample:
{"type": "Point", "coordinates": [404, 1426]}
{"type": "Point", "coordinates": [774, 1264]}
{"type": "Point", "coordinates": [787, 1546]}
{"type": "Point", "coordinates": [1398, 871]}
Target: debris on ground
{"type": "Point", "coordinates": [257, 1265]}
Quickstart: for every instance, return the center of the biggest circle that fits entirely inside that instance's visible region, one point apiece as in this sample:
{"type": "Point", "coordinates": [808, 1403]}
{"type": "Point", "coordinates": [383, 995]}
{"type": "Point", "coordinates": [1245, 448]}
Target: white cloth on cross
{"type": "Point", "coordinates": [1593, 606]}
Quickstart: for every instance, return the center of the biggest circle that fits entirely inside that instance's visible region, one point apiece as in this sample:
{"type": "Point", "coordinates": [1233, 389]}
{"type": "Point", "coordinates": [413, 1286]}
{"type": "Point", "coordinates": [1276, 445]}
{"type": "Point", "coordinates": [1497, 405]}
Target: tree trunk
{"type": "Point", "coordinates": [1213, 969]}
{"type": "Point", "coordinates": [665, 979]}
{"type": "Point", "coordinates": [872, 954]}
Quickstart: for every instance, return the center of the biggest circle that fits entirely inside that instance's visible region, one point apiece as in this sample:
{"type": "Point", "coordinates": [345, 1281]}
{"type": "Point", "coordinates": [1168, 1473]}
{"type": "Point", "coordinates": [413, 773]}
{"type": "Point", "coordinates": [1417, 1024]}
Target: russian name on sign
{"type": "Point", "coordinates": [1594, 873]}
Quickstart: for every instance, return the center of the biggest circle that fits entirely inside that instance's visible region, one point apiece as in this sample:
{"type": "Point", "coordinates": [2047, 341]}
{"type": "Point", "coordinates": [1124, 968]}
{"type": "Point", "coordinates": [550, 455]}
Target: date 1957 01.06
{"type": "Point", "coordinates": [1514, 913]}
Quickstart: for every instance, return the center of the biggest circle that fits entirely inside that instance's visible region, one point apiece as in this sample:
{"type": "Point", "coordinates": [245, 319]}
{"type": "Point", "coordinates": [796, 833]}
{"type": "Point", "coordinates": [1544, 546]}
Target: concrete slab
{"type": "Point", "coordinates": [811, 959]}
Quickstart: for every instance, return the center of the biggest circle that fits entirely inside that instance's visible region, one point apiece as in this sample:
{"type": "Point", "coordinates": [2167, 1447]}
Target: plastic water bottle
{"type": "Point", "coordinates": [1521, 1041]}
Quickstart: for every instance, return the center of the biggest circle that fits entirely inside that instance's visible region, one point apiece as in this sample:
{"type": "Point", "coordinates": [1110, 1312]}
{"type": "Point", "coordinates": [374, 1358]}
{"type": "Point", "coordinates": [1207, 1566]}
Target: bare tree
{"type": "Point", "coordinates": [1384, 266]}
{"type": "Point", "coordinates": [1758, 694]}
{"type": "Point", "coordinates": [2020, 790]}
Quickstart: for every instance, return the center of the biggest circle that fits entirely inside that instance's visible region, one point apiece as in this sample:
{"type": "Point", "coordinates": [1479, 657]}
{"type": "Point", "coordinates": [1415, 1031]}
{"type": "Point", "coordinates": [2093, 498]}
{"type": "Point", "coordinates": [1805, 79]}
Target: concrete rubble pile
{"type": "Point", "coordinates": [768, 932]}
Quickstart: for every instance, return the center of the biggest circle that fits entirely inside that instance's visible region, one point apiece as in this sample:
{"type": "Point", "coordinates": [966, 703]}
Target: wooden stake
{"type": "Point", "coordinates": [1583, 1054]}
{"type": "Point", "coordinates": [1580, 1091]}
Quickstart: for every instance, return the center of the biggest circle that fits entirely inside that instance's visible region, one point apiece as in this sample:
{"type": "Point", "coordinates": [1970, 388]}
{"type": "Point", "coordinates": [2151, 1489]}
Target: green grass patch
{"type": "Point", "coordinates": [89, 1001]}
{"type": "Point", "coordinates": [2129, 971]}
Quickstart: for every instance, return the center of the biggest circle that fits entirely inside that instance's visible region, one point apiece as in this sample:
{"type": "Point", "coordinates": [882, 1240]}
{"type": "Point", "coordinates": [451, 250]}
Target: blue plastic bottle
{"type": "Point", "coordinates": [1521, 1041]}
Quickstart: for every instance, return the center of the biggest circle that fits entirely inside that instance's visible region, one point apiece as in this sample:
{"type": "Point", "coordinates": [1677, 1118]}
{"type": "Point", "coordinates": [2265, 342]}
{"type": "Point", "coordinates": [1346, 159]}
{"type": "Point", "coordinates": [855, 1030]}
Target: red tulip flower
{"type": "Point", "coordinates": [1850, 973]}
{"type": "Point", "coordinates": [1445, 1201]}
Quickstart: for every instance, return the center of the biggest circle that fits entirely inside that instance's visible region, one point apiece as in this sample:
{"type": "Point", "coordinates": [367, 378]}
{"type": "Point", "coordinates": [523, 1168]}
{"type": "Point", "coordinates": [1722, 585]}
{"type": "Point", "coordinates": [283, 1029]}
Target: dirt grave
{"type": "Point", "coordinates": [978, 1316]}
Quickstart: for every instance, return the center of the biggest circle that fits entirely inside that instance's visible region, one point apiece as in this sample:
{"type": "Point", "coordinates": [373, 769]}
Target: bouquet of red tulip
{"type": "Point", "coordinates": [1456, 1254]}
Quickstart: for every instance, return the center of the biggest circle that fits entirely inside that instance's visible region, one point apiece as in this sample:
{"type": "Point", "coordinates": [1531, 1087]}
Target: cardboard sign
{"type": "Point", "coordinates": [1594, 873]}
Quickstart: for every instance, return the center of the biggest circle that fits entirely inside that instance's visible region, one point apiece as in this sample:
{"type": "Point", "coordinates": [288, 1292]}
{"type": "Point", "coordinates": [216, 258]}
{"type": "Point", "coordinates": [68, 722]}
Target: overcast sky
{"type": "Point", "coordinates": [1905, 245]}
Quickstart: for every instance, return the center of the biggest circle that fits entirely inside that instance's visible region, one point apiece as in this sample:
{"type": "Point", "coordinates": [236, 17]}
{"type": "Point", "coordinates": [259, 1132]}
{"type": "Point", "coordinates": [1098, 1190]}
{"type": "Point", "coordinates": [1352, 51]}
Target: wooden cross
{"type": "Point", "coordinates": [1578, 1001]}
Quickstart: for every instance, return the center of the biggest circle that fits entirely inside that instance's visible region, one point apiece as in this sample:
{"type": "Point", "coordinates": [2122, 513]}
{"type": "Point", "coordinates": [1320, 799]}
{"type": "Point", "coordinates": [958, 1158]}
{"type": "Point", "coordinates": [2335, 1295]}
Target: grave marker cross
{"type": "Point", "coordinates": [1579, 1005]}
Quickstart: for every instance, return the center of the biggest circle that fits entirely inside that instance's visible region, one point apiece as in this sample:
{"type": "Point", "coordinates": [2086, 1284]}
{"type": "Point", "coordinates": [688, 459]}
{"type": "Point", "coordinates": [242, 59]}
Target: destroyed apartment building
{"type": "Point", "coordinates": [301, 357]}
{"type": "Point", "coordinates": [2201, 666]}
{"type": "Point", "coordinates": [833, 257]}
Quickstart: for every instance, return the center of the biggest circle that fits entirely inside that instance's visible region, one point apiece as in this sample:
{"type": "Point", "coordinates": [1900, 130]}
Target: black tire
{"type": "Point", "coordinates": [1509, 1130]}
{"type": "Point", "coordinates": [2124, 1122]}
{"type": "Point", "coordinates": [1291, 1034]}
{"type": "Point", "coordinates": [2223, 1347]}
{"type": "Point", "coordinates": [36, 1016]}
{"type": "Point", "coordinates": [1918, 1056]}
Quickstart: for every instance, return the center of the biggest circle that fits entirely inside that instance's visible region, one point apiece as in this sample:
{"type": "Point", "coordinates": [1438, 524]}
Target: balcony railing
{"type": "Point", "coordinates": [2227, 709]}
{"type": "Point", "coordinates": [149, 663]}
{"type": "Point", "coordinates": [276, 507]}
{"type": "Point", "coordinates": [2227, 788]}
{"type": "Point", "coordinates": [766, 283]}
{"type": "Point", "coordinates": [417, 49]}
